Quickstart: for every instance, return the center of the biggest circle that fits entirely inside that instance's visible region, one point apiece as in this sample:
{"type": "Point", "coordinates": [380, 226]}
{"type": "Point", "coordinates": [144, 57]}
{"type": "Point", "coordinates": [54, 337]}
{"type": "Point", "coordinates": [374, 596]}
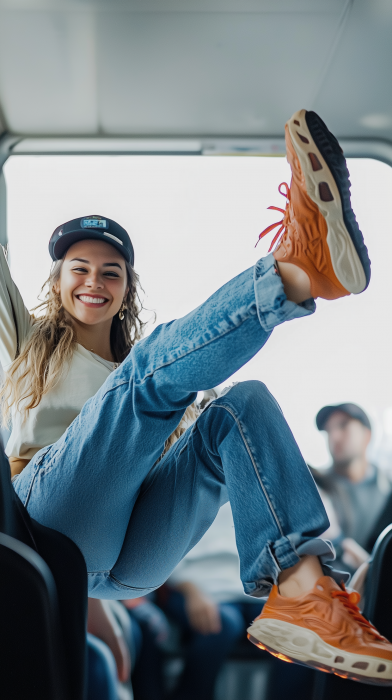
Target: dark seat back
{"type": "Point", "coordinates": [379, 611]}
{"type": "Point", "coordinates": [30, 645]}
{"type": "Point", "coordinates": [379, 585]}
{"type": "Point", "coordinates": [43, 605]}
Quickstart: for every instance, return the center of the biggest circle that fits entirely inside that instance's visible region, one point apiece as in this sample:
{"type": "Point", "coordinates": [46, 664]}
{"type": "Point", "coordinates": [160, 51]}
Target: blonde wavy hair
{"type": "Point", "coordinates": [42, 359]}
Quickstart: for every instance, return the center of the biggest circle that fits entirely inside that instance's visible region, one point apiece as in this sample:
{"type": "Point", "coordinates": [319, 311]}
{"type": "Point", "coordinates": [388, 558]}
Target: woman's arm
{"type": "Point", "coordinates": [102, 623]}
{"type": "Point", "coordinates": [15, 320]}
{"type": "Point", "coordinates": [202, 612]}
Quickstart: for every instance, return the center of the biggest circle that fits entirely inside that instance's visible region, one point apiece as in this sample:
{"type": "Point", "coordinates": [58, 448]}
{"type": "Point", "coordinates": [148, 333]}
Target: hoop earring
{"type": "Point", "coordinates": [121, 312]}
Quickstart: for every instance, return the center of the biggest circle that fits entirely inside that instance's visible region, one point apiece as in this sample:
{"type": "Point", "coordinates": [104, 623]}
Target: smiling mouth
{"type": "Point", "coordinates": [92, 301]}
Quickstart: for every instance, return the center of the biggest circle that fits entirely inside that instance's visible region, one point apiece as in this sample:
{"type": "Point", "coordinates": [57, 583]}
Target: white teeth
{"type": "Point", "coordinates": [91, 300]}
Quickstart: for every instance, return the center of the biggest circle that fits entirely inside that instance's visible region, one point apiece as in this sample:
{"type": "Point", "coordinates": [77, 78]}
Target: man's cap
{"type": "Point", "coordinates": [350, 409]}
{"type": "Point", "coordinates": [94, 227]}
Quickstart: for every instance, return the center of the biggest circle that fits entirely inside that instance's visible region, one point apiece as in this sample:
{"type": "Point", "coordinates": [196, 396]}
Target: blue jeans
{"type": "Point", "coordinates": [148, 681]}
{"type": "Point", "coordinates": [134, 521]}
{"type": "Point", "coordinates": [102, 680]}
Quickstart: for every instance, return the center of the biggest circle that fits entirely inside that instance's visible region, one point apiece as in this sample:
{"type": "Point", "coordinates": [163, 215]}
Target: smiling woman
{"type": "Point", "coordinates": [90, 323]}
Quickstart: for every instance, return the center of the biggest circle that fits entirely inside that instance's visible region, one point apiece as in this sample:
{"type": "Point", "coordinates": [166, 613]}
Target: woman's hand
{"type": "Point", "coordinates": [102, 623]}
{"type": "Point", "coordinates": [358, 581]}
{"type": "Point", "coordinates": [120, 651]}
{"type": "Point", "coordinates": [353, 554]}
{"type": "Point", "coordinates": [203, 614]}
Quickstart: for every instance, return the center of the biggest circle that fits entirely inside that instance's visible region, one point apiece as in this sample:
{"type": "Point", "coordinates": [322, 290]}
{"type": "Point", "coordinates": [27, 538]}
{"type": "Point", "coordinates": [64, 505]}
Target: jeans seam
{"type": "Point", "coordinates": [262, 309]}
{"type": "Point", "coordinates": [215, 405]}
{"type": "Point", "coordinates": [113, 388]}
{"type": "Point", "coordinates": [37, 466]}
{"type": "Point", "coordinates": [101, 571]}
{"type": "Point", "coordinates": [134, 588]}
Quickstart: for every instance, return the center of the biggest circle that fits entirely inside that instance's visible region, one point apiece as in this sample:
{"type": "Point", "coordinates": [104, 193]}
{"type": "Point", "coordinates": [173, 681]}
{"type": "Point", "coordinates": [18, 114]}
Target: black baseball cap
{"type": "Point", "coordinates": [95, 227]}
{"type": "Point", "coordinates": [351, 409]}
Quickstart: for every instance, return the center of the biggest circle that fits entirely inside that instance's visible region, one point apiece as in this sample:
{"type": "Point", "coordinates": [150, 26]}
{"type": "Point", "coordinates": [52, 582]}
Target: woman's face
{"type": "Point", "coordinates": [93, 282]}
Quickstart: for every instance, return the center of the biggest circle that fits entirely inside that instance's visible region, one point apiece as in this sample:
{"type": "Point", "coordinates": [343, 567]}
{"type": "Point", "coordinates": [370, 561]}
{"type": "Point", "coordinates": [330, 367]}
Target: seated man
{"type": "Point", "coordinates": [356, 489]}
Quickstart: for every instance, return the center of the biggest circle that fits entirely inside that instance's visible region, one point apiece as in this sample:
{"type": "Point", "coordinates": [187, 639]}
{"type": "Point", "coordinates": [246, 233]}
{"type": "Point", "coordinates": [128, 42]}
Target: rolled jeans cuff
{"type": "Point", "coordinates": [273, 307]}
{"type": "Point", "coordinates": [325, 551]}
{"type": "Point", "coordinates": [283, 554]}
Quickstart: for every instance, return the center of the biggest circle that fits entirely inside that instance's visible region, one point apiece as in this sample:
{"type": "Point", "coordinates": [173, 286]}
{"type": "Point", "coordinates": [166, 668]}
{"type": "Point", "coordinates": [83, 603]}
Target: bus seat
{"type": "Point", "coordinates": [43, 606]}
{"type": "Point", "coordinates": [379, 585]}
{"type": "Point", "coordinates": [379, 611]}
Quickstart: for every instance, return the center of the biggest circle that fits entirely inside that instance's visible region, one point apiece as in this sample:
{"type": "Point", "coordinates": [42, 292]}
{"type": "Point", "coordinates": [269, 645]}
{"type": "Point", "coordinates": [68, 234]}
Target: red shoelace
{"type": "Point", "coordinates": [282, 222]}
{"type": "Point", "coordinates": [350, 601]}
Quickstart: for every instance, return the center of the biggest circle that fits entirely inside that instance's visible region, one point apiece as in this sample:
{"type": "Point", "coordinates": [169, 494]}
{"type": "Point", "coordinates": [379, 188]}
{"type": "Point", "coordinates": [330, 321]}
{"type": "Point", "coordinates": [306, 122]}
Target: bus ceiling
{"type": "Point", "coordinates": [201, 77]}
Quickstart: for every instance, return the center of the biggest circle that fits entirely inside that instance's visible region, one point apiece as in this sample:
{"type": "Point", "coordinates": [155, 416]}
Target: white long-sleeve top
{"type": "Point", "coordinates": [57, 409]}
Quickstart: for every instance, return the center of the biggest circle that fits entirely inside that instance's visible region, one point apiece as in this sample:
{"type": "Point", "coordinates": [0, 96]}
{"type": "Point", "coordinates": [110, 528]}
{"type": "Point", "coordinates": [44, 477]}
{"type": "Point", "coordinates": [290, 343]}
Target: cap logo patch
{"type": "Point", "coordinates": [114, 238]}
{"type": "Point", "coordinates": [94, 223]}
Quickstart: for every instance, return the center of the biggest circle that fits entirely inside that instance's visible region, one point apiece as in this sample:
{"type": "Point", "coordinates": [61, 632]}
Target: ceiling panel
{"type": "Point", "coordinates": [325, 6]}
{"type": "Point", "coordinates": [208, 74]}
{"type": "Point", "coordinates": [181, 68]}
{"type": "Point", "coordinates": [356, 95]}
{"type": "Point", "coordinates": [158, 73]}
{"type": "Point", "coordinates": [48, 72]}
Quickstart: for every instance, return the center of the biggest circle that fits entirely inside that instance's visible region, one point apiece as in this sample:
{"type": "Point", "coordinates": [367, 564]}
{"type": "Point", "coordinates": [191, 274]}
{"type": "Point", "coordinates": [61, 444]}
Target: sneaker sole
{"type": "Point", "coordinates": [300, 645]}
{"type": "Point", "coordinates": [327, 184]}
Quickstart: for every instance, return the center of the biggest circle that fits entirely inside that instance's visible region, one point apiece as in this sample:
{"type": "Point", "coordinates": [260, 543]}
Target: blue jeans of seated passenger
{"type": "Point", "coordinates": [134, 521]}
{"type": "Point", "coordinates": [206, 653]}
{"type": "Point", "coordinates": [102, 680]}
{"type": "Point", "coordinates": [147, 677]}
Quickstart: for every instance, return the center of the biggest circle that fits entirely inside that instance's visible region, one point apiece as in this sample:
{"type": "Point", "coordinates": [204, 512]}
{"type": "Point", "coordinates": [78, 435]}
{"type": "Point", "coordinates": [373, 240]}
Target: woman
{"type": "Point", "coordinates": [99, 480]}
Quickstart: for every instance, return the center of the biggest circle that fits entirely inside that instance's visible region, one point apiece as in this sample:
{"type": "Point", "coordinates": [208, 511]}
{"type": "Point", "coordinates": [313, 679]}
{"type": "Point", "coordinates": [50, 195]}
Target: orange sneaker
{"type": "Point", "coordinates": [324, 629]}
{"type": "Point", "coordinates": [319, 232]}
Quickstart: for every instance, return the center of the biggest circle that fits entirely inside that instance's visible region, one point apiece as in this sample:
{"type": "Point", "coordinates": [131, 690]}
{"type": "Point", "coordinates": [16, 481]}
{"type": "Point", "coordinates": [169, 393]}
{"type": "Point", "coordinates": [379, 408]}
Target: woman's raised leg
{"type": "Point", "coordinates": [240, 449]}
{"type": "Point", "coordinates": [242, 446]}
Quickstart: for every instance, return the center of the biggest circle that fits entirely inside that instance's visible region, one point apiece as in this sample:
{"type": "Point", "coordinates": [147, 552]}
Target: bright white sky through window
{"type": "Point", "coordinates": [194, 222]}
